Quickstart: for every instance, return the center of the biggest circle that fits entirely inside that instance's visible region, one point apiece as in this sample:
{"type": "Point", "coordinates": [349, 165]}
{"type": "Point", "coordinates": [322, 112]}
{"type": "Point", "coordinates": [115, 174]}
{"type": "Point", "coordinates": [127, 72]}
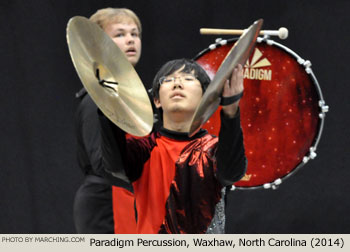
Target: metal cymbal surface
{"type": "Point", "coordinates": [239, 54]}
{"type": "Point", "coordinates": [109, 77]}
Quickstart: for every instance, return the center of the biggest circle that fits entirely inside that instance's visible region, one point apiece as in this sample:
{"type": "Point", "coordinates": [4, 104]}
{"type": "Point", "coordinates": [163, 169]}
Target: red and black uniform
{"type": "Point", "coordinates": [178, 181]}
{"type": "Point", "coordinates": [98, 207]}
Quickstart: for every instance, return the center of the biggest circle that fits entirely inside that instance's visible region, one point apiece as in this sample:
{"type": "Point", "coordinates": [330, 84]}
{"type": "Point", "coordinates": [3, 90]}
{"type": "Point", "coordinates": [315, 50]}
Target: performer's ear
{"type": "Point", "coordinates": [157, 103]}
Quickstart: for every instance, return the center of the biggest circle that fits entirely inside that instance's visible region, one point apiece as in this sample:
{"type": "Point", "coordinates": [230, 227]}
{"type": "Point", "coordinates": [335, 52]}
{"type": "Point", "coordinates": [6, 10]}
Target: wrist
{"type": "Point", "coordinates": [230, 111]}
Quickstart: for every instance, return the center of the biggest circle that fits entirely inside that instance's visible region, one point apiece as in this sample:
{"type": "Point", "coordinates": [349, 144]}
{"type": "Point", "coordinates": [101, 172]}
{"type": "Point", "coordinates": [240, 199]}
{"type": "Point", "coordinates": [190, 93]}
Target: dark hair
{"type": "Point", "coordinates": [174, 65]}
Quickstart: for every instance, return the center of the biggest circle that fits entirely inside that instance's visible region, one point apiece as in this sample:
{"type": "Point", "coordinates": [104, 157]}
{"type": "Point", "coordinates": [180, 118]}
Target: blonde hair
{"type": "Point", "coordinates": [105, 16]}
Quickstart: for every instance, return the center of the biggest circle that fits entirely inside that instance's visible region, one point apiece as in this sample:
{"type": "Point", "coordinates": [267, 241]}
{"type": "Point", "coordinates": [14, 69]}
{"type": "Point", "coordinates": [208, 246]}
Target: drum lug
{"type": "Point", "coordinates": [274, 185]}
{"type": "Point", "coordinates": [267, 186]}
{"type": "Point", "coordinates": [313, 152]}
{"type": "Point", "coordinates": [324, 108]}
{"type": "Point", "coordinates": [312, 155]}
{"type": "Point", "coordinates": [301, 61]}
{"type": "Point", "coordinates": [269, 41]}
{"type": "Point", "coordinates": [218, 41]}
{"type": "Point", "coordinates": [212, 47]}
{"type": "Point", "coordinates": [265, 39]}
{"type": "Point", "coordinates": [223, 42]}
{"type": "Point", "coordinates": [307, 64]}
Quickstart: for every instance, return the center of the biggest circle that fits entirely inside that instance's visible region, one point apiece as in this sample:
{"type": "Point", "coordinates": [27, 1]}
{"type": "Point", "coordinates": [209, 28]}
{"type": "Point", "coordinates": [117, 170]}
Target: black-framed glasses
{"type": "Point", "coordinates": [184, 79]}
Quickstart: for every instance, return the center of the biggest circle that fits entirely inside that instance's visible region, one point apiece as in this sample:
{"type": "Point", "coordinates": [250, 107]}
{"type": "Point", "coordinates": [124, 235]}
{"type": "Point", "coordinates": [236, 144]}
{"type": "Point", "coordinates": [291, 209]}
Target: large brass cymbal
{"type": "Point", "coordinates": [109, 77]}
{"type": "Point", "coordinates": [238, 54]}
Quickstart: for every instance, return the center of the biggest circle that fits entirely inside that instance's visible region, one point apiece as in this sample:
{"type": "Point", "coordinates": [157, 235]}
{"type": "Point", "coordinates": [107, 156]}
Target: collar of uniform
{"type": "Point", "coordinates": [182, 136]}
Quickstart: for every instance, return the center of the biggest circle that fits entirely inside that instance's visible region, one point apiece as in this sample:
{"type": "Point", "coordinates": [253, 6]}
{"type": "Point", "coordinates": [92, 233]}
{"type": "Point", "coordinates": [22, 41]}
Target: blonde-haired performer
{"type": "Point", "coordinates": [95, 209]}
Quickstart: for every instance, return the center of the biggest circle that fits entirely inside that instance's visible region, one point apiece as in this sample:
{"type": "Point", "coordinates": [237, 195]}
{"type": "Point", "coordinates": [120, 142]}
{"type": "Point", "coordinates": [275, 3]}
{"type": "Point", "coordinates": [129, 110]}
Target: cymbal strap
{"type": "Point", "coordinates": [231, 99]}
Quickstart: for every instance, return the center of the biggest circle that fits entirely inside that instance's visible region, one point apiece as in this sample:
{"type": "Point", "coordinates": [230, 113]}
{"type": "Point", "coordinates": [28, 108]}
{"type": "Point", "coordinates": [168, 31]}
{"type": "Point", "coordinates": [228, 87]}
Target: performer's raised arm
{"type": "Point", "coordinates": [231, 160]}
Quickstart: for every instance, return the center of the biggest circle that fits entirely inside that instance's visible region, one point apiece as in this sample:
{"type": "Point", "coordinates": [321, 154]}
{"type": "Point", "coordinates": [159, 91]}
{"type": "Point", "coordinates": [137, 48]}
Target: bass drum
{"type": "Point", "coordinates": [282, 111]}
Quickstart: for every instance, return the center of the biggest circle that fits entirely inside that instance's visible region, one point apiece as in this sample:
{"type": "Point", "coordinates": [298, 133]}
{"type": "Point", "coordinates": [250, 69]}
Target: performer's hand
{"type": "Point", "coordinates": [233, 87]}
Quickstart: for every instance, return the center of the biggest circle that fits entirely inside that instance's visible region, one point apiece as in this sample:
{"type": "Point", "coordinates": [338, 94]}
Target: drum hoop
{"type": "Point", "coordinates": [307, 67]}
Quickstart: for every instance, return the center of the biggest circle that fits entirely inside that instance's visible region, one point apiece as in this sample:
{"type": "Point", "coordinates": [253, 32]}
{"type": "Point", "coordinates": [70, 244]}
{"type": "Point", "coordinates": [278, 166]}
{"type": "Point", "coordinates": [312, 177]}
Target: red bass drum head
{"type": "Point", "coordinates": [279, 111]}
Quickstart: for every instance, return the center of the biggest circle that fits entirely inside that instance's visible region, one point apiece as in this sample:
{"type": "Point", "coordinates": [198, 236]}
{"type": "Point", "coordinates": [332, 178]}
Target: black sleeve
{"type": "Point", "coordinates": [123, 158]}
{"type": "Point", "coordinates": [89, 141]}
{"type": "Point", "coordinates": [88, 136]}
{"type": "Point", "coordinates": [230, 155]}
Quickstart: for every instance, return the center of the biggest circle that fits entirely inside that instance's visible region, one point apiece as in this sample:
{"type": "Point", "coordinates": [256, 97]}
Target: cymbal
{"type": "Point", "coordinates": [109, 77]}
{"type": "Point", "coordinates": [238, 54]}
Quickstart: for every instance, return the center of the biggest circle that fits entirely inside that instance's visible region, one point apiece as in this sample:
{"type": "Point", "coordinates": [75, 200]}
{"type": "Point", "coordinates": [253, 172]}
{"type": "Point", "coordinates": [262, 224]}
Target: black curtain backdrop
{"type": "Point", "coordinates": [38, 170]}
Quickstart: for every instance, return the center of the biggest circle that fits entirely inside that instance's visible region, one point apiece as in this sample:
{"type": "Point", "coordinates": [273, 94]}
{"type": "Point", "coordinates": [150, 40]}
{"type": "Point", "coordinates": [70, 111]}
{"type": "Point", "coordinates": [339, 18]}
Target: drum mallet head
{"type": "Point", "coordinates": [282, 33]}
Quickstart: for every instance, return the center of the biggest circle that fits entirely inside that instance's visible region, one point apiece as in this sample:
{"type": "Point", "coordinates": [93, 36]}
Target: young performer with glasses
{"type": "Point", "coordinates": [179, 181]}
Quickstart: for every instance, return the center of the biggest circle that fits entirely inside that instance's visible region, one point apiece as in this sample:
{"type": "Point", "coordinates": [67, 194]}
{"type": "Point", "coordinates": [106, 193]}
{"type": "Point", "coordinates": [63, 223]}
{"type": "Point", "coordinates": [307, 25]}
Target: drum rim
{"type": "Point", "coordinates": [308, 70]}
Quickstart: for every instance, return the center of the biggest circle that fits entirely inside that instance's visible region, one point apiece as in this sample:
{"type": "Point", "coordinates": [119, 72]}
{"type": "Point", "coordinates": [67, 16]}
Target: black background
{"type": "Point", "coordinates": [38, 171]}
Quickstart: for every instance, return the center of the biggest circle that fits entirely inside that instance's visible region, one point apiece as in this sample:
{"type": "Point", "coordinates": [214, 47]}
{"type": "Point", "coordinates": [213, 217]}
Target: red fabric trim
{"type": "Point", "coordinates": [152, 191]}
{"type": "Point", "coordinates": [123, 211]}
